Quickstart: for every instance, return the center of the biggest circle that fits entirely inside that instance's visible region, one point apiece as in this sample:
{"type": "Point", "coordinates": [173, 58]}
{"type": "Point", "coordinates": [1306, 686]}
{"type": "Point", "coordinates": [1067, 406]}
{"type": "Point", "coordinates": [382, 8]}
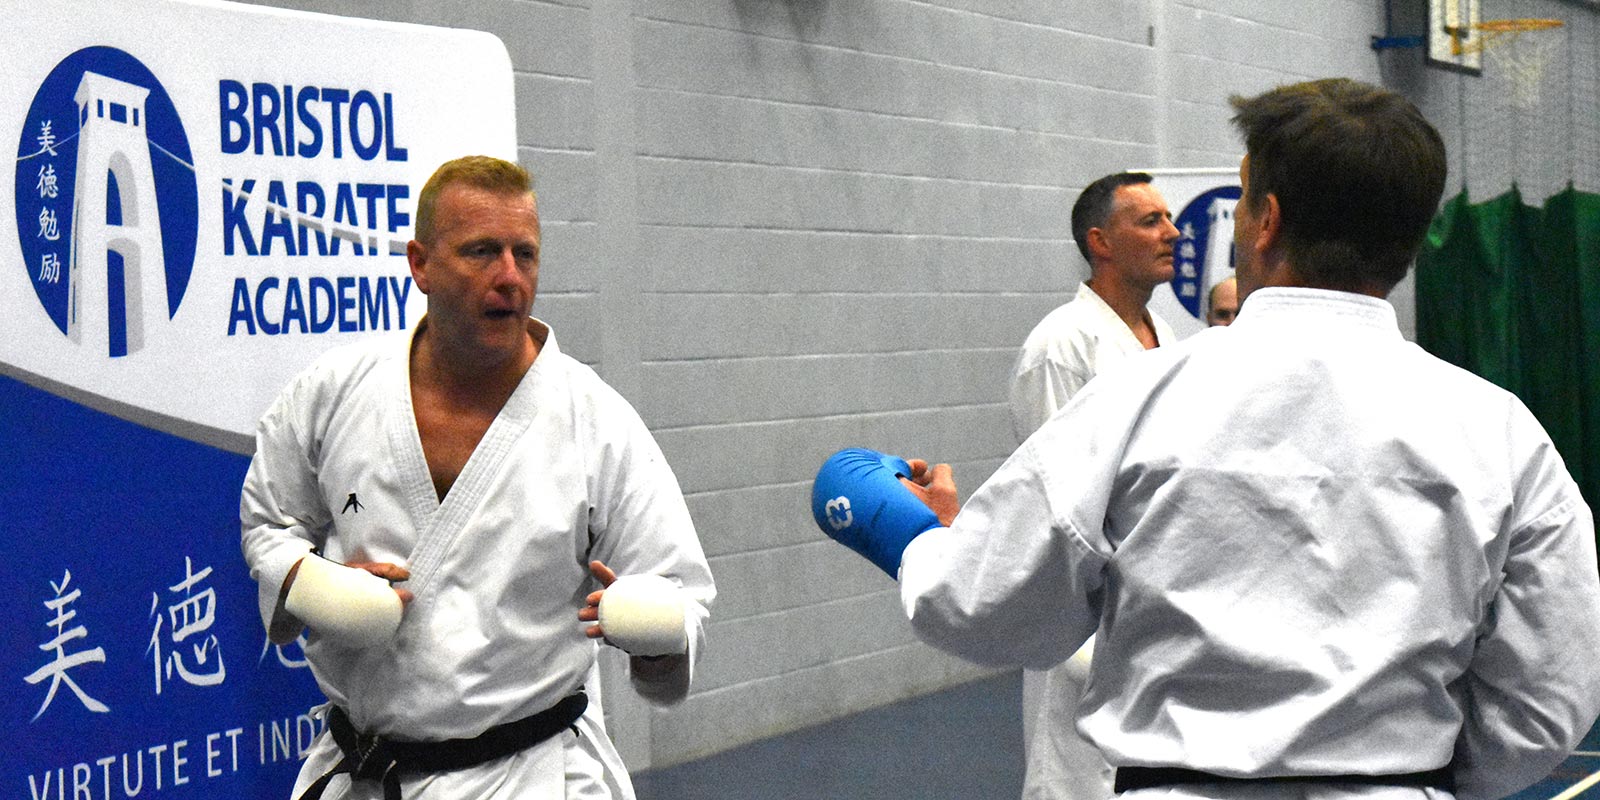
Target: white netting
{"type": "Point", "coordinates": [1522, 57]}
{"type": "Point", "coordinates": [1533, 124]}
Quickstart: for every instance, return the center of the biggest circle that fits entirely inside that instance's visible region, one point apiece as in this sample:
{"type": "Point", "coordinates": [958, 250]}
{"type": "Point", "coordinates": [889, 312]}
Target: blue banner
{"type": "Point", "coordinates": [188, 220]}
{"type": "Point", "coordinates": [134, 654]}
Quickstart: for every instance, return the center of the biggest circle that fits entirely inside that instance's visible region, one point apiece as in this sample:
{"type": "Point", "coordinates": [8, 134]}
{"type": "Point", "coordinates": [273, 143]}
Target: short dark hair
{"type": "Point", "coordinates": [1358, 173]}
{"type": "Point", "coordinates": [1093, 207]}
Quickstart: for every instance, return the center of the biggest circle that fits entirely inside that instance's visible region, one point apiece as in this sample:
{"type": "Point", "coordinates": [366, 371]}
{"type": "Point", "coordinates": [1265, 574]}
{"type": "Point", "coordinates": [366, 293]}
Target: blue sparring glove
{"type": "Point", "coordinates": [859, 501]}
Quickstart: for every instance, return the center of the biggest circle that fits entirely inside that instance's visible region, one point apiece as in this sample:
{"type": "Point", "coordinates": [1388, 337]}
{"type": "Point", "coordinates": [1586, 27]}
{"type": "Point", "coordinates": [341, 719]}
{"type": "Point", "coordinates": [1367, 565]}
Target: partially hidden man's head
{"type": "Point", "coordinates": [1357, 172]}
{"type": "Point", "coordinates": [480, 172]}
{"type": "Point", "coordinates": [1223, 303]}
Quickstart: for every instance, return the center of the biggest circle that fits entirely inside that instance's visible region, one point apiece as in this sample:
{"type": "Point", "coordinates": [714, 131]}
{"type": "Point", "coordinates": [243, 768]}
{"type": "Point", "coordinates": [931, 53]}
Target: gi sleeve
{"type": "Point", "coordinates": [640, 525]}
{"type": "Point", "coordinates": [1532, 689]}
{"type": "Point", "coordinates": [281, 512]}
{"type": "Point", "coordinates": [1018, 578]}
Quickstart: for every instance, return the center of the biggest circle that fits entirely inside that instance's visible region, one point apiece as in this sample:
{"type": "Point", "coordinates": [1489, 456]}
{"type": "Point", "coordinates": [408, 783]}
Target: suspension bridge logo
{"type": "Point", "coordinates": [106, 201]}
{"type": "Point", "coordinates": [1204, 252]}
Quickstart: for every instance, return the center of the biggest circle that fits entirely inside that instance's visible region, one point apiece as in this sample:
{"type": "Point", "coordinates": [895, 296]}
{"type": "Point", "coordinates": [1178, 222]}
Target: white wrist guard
{"type": "Point", "coordinates": [643, 614]}
{"type": "Point", "coordinates": [350, 605]}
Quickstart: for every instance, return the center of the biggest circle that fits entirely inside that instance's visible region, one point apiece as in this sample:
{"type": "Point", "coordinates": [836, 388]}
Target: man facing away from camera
{"type": "Point", "coordinates": [1322, 563]}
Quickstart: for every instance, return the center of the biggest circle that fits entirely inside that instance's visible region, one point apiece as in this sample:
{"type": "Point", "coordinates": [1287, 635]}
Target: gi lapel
{"type": "Point", "coordinates": [448, 519]}
{"type": "Point", "coordinates": [405, 444]}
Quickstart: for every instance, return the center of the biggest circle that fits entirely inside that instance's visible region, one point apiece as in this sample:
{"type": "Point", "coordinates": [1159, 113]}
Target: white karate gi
{"type": "Point", "coordinates": [1072, 344]}
{"type": "Point", "coordinates": [1309, 548]}
{"type": "Point", "coordinates": [566, 474]}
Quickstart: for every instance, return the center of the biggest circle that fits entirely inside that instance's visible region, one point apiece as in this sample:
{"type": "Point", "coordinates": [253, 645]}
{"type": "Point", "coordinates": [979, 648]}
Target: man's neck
{"type": "Point", "coordinates": [1128, 301]}
{"type": "Point", "coordinates": [1282, 273]}
{"type": "Point", "coordinates": [468, 381]}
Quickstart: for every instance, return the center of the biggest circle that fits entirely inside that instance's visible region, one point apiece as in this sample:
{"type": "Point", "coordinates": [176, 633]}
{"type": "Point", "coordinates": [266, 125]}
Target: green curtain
{"type": "Point", "coordinates": [1511, 292]}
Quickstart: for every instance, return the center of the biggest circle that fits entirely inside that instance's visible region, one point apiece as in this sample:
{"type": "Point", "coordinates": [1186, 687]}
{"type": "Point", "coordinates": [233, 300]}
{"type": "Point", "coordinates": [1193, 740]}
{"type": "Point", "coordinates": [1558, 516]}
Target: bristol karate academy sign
{"type": "Point", "coordinates": [190, 218]}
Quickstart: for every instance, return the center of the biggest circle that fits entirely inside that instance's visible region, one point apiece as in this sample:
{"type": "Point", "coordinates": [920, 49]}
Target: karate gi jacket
{"type": "Point", "coordinates": [1072, 344]}
{"type": "Point", "coordinates": [566, 474]}
{"type": "Point", "coordinates": [1309, 547]}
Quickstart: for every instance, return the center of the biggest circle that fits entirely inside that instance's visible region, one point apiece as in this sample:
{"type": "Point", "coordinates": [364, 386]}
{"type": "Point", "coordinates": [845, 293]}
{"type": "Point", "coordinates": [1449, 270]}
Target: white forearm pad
{"type": "Point", "coordinates": [352, 606]}
{"type": "Point", "coordinates": [643, 614]}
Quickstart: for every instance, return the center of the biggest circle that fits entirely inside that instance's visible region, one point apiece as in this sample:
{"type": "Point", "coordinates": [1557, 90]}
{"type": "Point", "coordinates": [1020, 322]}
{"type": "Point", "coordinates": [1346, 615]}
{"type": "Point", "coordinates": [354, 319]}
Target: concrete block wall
{"type": "Point", "coordinates": [782, 227]}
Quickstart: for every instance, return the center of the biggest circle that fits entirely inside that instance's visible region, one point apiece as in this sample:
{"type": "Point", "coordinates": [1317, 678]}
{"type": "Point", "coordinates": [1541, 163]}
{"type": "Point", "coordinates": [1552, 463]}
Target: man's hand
{"type": "Point", "coordinates": [393, 573]}
{"type": "Point", "coordinates": [642, 665]}
{"type": "Point", "coordinates": [591, 609]}
{"type": "Point", "coordinates": [936, 487]}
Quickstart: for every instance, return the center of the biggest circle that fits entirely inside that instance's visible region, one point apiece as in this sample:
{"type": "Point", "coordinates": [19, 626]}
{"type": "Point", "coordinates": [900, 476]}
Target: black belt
{"type": "Point", "coordinates": [1130, 778]}
{"type": "Point", "coordinates": [375, 758]}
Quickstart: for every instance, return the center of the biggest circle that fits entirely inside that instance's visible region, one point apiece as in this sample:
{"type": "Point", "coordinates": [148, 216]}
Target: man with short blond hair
{"type": "Point", "coordinates": [503, 488]}
{"type": "Point", "coordinates": [480, 172]}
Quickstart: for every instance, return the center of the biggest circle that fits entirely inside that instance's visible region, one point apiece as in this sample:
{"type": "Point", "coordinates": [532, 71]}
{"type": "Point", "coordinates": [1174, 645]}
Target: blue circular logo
{"type": "Point", "coordinates": [1205, 248]}
{"type": "Point", "coordinates": [106, 199]}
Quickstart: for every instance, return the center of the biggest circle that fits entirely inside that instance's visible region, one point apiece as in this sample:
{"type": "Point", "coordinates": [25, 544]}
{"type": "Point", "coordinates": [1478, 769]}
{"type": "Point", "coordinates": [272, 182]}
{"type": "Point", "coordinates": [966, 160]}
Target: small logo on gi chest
{"type": "Point", "coordinates": [351, 504]}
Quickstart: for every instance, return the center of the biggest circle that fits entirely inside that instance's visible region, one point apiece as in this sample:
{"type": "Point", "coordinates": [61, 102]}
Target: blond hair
{"type": "Point", "coordinates": [481, 172]}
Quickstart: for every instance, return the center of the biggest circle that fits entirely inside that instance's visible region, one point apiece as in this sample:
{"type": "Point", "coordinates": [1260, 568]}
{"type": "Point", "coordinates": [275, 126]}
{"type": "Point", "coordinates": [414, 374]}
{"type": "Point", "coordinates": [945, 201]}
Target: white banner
{"type": "Point", "coordinates": [1202, 202]}
{"type": "Point", "coordinates": [207, 194]}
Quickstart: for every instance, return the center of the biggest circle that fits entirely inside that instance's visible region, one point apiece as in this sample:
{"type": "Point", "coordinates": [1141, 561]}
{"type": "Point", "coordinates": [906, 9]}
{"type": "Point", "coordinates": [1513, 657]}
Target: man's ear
{"type": "Point", "coordinates": [1099, 247]}
{"type": "Point", "coordinates": [1269, 227]}
{"type": "Point", "coordinates": [417, 258]}
{"type": "Point", "coordinates": [1271, 230]}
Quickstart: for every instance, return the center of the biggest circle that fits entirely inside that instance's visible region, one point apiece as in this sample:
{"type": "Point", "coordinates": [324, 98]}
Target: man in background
{"type": "Point", "coordinates": [1124, 230]}
{"type": "Point", "coordinates": [1223, 304]}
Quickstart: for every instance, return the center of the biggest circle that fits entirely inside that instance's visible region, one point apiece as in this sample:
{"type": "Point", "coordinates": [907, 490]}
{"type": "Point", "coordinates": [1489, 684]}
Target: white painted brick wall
{"type": "Point", "coordinates": [782, 228]}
